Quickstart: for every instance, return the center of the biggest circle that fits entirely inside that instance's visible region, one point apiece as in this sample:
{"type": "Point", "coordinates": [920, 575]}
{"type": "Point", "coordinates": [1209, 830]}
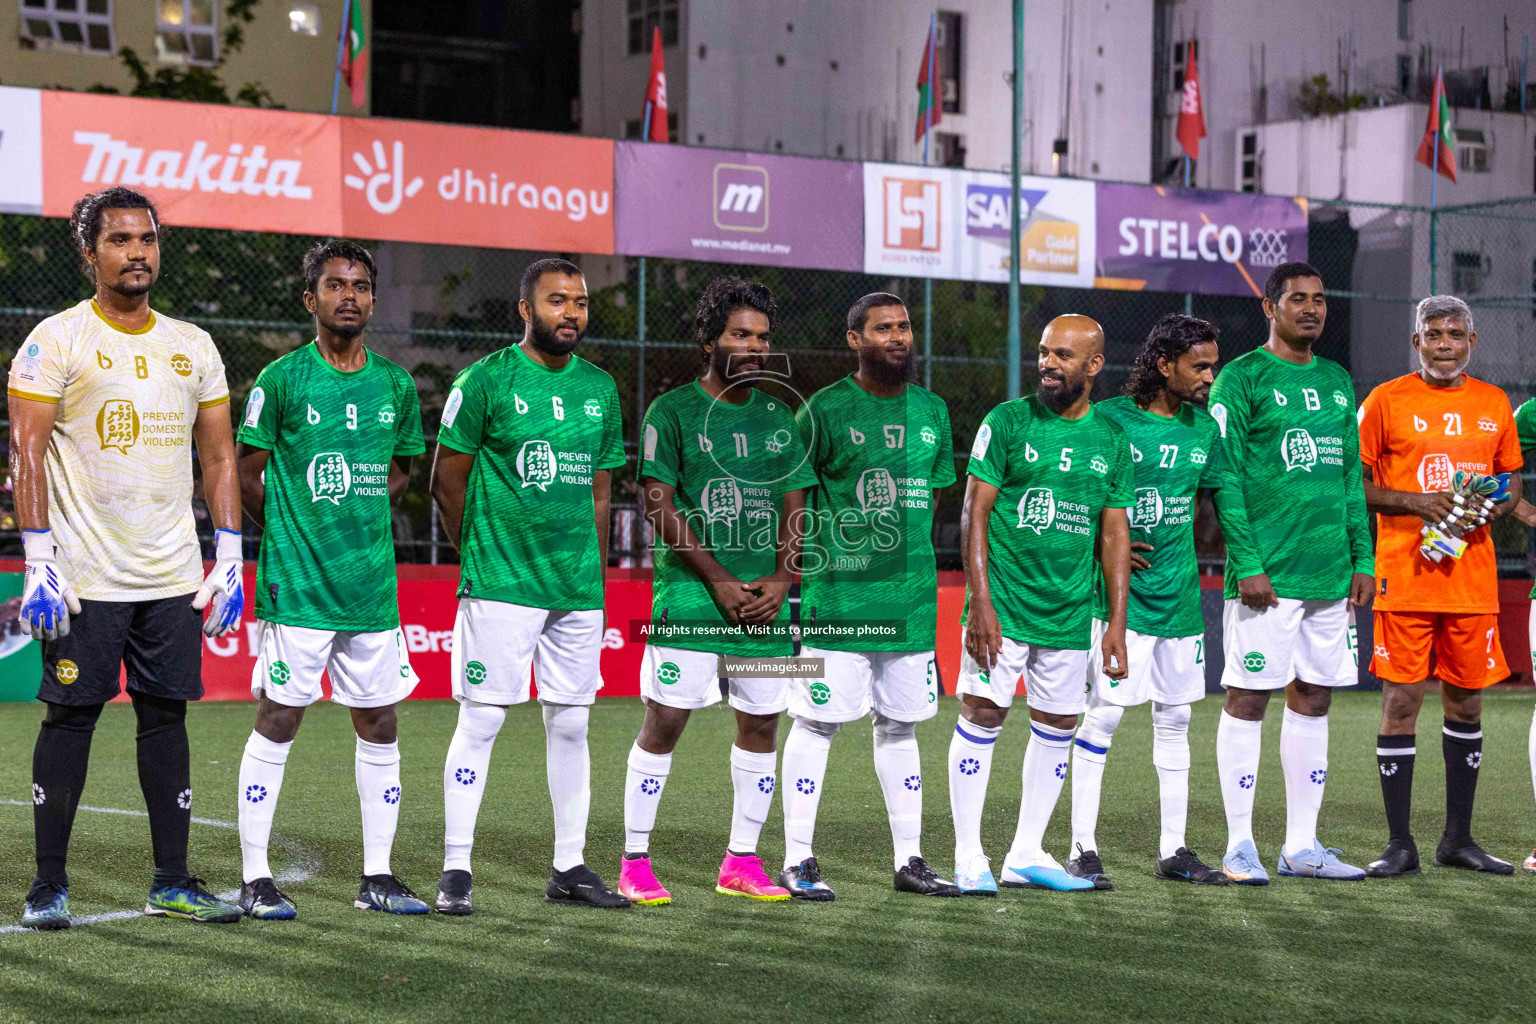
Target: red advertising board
{"type": "Point", "coordinates": [409, 181]}
{"type": "Point", "coordinates": [205, 166]}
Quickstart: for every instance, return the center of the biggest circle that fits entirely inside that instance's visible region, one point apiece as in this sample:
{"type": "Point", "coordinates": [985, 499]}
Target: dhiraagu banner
{"type": "Point", "coordinates": [21, 660]}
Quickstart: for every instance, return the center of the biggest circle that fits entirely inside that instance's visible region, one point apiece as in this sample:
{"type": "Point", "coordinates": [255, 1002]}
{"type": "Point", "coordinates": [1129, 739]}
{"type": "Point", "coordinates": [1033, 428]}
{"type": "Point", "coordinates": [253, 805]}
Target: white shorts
{"type": "Point", "coordinates": [496, 643]}
{"type": "Point", "coordinates": [1054, 679]}
{"type": "Point", "coordinates": [903, 685]}
{"type": "Point", "coordinates": [676, 678]}
{"type": "Point", "coordinates": [1167, 669]}
{"type": "Point", "coordinates": [1313, 641]}
{"type": "Point", "coordinates": [368, 670]}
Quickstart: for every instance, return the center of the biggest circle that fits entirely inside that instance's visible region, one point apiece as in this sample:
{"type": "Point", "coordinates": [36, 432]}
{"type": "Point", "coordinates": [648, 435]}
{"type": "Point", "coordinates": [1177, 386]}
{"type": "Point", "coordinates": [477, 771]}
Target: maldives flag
{"type": "Point", "coordinates": [1439, 124]}
{"type": "Point", "coordinates": [926, 101]}
{"type": "Point", "coordinates": [354, 56]}
{"type": "Point", "coordinates": [1192, 108]}
{"type": "Point", "coordinates": [656, 93]}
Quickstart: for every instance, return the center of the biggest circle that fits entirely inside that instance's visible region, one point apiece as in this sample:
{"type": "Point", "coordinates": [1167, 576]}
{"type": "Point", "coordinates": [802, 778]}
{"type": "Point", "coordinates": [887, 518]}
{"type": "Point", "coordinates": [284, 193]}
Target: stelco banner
{"type": "Point", "coordinates": [1181, 240]}
{"type": "Point", "coordinates": [735, 207]}
{"type": "Point", "coordinates": [941, 222]}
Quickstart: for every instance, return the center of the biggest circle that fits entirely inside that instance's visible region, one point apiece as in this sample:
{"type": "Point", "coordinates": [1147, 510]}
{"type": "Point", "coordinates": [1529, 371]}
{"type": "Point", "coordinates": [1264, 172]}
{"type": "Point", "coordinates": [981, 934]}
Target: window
{"type": "Point", "coordinates": [187, 32]}
{"type": "Point", "coordinates": [1404, 73]}
{"type": "Point", "coordinates": [948, 149]}
{"type": "Point", "coordinates": [946, 60]}
{"type": "Point", "coordinates": [645, 16]}
{"type": "Point", "coordinates": [304, 19]}
{"type": "Point", "coordinates": [84, 25]}
{"type": "Point", "coordinates": [1248, 181]}
{"type": "Point", "coordinates": [1466, 273]}
{"type": "Point", "coordinates": [1404, 19]}
{"type": "Point", "coordinates": [1181, 53]}
{"type": "Point", "coordinates": [632, 128]}
{"type": "Point", "coordinates": [1471, 150]}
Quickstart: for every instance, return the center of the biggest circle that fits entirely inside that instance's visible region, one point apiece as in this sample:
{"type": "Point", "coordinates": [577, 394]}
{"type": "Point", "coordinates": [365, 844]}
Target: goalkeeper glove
{"type": "Point", "coordinates": [224, 586]}
{"type": "Point", "coordinates": [47, 599]}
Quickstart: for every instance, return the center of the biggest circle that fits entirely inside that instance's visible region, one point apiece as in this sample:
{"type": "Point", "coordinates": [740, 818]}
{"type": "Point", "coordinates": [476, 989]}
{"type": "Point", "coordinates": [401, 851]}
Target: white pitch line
{"type": "Point", "coordinates": [304, 867]}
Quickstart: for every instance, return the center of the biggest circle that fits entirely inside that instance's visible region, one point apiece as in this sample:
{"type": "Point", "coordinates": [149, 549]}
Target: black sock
{"type": "Point", "coordinates": [59, 763]}
{"type": "Point", "coordinates": [1462, 743]}
{"type": "Point", "coordinates": [1394, 757]}
{"type": "Point", "coordinates": [165, 776]}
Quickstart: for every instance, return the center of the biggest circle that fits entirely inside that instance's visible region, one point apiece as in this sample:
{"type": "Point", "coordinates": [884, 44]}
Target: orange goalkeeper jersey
{"type": "Point", "coordinates": [1413, 437]}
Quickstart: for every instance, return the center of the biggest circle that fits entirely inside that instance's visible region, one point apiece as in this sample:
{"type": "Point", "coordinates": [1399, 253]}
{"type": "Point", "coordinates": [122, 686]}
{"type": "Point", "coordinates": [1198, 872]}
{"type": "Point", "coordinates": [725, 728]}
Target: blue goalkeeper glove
{"type": "Point", "coordinates": [47, 599]}
{"type": "Point", "coordinates": [224, 587]}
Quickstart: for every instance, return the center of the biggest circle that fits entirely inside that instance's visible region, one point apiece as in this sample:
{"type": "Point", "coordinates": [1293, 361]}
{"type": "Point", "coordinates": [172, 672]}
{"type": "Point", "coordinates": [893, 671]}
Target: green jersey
{"type": "Point", "coordinates": [538, 436]}
{"type": "Point", "coordinates": [1294, 504]}
{"type": "Point", "coordinates": [327, 556]}
{"type": "Point", "coordinates": [731, 466]}
{"type": "Point", "coordinates": [1054, 477]}
{"type": "Point", "coordinates": [1172, 457]}
{"type": "Point", "coordinates": [869, 581]}
{"type": "Point", "coordinates": [1525, 426]}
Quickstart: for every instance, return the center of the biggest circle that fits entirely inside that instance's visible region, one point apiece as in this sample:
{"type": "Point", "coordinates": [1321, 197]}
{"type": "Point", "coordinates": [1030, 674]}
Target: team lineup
{"type": "Point", "coordinates": [1077, 538]}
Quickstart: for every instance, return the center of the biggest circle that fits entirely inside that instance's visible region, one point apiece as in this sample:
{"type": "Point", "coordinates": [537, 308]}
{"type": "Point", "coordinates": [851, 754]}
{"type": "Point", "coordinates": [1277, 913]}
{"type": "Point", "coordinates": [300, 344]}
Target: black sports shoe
{"type": "Point", "coordinates": [454, 894]}
{"type": "Point", "coordinates": [916, 876]}
{"type": "Point", "coordinates": [804, 882]}
{"type": "Point", "coordinates": [580, 885]}
{"type": "Point", "coordinates": [1087, 865]}
{"type": "Point", "coordinates": [1184, 866]}
{"type": "Point", "coordinates": [262, 900]}
{"type": "Point", "coordinates": [1399, 858]}
{"type": "Point", "coordinates": [388, 894]}
{"type": "Point", "coordinates": [1463, 852]}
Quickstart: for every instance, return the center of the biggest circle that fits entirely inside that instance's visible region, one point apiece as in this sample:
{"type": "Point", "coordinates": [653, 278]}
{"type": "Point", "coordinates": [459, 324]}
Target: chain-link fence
{"type": "Point", "coordinates": [442, 307]}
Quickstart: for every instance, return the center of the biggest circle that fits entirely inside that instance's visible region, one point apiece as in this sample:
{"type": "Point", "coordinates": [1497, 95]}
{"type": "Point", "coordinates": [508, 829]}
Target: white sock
{"type": "Point", "coordinates": [1045, 767]}
{"type": "Point", "coordinates": [970, 766]}
{"type": "Point", "coordinates": [568, 767]}
{"type": "Point", "coordinates": [1304, 762]}
{"type": "Point", "coordinates": [805, 769]}
{"type": "Point", "coordinates": [261, 779]}
{"type": "Point", "coordinates": [378, 788]}
{"type": "Point", "coordinates": [1237, 762]}
{"type": "Point", "coordinates": [1089, 752]}
{"type": "Point", "coordinates": [900, 772]}
{"type": "Point", "coordinates": [643, 783]}
{"type": "Point", "coordinates": [1531, 750]}
{"type": "Point", "coordinates": [752, 779]}
{"type": "Point", "coordinates": [469, 760]}
{"type": "Point", "coordinates": [1170, 755]}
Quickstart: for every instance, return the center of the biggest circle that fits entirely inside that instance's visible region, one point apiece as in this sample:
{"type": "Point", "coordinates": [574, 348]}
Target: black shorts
{"type": "Point", "coordinates": [159, 642]}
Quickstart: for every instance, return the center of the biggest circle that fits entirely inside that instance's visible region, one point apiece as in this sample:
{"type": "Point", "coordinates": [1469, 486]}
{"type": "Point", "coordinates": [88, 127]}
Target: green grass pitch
{"type": "Point", "coordinates": [1445, 946]}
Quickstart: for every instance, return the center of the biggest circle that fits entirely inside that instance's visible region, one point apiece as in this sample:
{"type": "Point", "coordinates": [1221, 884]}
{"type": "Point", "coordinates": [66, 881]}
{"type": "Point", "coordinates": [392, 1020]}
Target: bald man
{"type": "Point", "coordinates": [1048, 481]}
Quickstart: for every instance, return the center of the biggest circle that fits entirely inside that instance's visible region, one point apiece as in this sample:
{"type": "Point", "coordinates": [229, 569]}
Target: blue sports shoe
{"type": "Point", "coordinates": [976, 878]}
{"type": "Point", "coordinates": [389, 894]}
{"type": "Point", "coordinates": [1242, 865]}
{"type": "Point", "coordinates": [47, 907]}
{"type": "Point", "coordinates": [263, 900]}
{"type": "Point", "coordinates": [1318, 862]}
{"type": "Point", "coordinates": [189, 900]}
{"type": "Point", "coordinates": [1046, 874]}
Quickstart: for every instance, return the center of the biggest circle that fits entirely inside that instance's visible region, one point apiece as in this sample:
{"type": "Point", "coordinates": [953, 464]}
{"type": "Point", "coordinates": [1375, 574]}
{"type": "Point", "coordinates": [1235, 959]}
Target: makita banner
{"type": "Point", "coordinates": [1190, 240]}
{"type": "Point", "coordinates": [725, 206]}
{"type": "Point", "coordinates": [206, 166]}
{"type": "Point", "coordinates": [264, 170]}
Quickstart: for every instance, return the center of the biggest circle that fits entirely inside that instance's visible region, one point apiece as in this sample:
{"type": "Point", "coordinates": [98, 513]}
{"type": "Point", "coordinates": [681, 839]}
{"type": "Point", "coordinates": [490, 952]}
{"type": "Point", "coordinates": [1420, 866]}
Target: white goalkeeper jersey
{"type": "Point", "coordinates": [119, 462]}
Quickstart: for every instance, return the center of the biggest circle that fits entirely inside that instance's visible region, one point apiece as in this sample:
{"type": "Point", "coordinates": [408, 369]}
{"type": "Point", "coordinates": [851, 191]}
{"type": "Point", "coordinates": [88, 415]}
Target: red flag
{"type": "Point", "coordinates": [656, 94]}
{"type": "Point", "coordinates": [1192, 109]}
{"type": "Point", "coordinates": [354, 57]}
{"type": "Point", "coordinates": [1439, 124]}
{"type": "Point", "coordinates": [927, 102]}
